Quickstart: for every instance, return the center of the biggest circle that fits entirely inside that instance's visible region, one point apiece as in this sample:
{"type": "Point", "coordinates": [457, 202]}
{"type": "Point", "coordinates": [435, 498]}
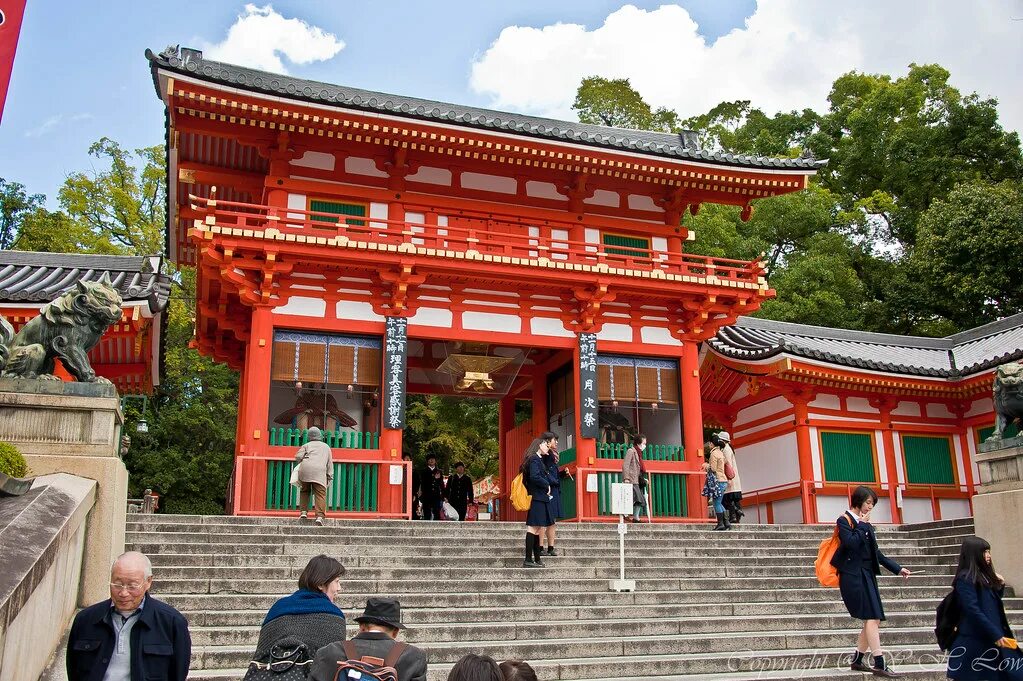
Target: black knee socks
{"type": "Point", "coordinates": [879, 662]}
{"type": "Point", "coordinates": [530, 543]}
{"type": "Point", "coordinates": [536, 548]}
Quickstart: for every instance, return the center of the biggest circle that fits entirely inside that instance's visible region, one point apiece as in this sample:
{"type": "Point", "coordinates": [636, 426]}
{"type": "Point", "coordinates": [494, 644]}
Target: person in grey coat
{"type": "Point", "coordinates": [378, 628]}
{"type": "Point", "coordinates": [632, 473]}
{"type": "Point", "coordinates": [315, 472]}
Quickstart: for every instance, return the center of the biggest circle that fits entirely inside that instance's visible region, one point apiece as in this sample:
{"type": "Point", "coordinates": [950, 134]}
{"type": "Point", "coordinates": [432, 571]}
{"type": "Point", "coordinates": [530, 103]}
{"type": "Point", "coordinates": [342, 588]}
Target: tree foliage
{"type": "Point", "coordinates": [15, 205]}
{"type": "Point", "coordinates": [453, 429]}
{"type": "Point", "coordinates": [614, 103]}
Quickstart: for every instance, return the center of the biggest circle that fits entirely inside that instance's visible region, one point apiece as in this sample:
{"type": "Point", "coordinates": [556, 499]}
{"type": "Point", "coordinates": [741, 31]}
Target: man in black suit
{"type": "Point", "coordinates": [431, 489]}
{"type": "Point", "coordinates": [459, 490]}
{"type": "Point", "coordinates": [378, 628]}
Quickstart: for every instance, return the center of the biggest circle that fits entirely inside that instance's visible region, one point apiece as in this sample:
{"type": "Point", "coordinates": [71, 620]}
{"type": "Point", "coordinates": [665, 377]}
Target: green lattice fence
{"type": "Point", "coordinates": [354, 487]}
{"type": "Point", "coordinates": [651, 453]}
{"type": "Point", "coordinates": [668, 491]}
{"type": "Point", "coordinates": [339, 439]}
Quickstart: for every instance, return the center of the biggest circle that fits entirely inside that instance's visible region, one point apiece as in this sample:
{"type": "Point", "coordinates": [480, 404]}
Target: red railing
{"type": "Point", "coordinates": [476, 234]}
{"type": "Point", "coordinates": [586, 503]}
{"type": "Point", "coordinates": [808, 489]}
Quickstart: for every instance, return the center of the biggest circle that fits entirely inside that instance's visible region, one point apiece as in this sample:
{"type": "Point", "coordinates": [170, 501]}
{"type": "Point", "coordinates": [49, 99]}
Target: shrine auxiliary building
{"type": "Point", "coordinates": [354, 247]}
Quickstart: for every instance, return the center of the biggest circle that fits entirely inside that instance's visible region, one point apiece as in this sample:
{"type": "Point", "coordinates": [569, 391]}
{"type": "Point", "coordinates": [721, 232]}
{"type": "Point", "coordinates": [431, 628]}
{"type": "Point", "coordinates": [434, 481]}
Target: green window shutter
{"type": "Point", "coordinates": [1011, 430]}
{"type": "Point", "coordinates": [635, 247]}
{"type": "Point", "coordinates": [848, 457]}
{"type": "Point", "coordinates": [337, 208]}
{"type": "Point", "coordinates": [928, 460]}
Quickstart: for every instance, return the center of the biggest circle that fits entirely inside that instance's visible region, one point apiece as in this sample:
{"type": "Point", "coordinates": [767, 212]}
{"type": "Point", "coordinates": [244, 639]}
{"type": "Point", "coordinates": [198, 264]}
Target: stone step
{"type": "Point", "coordinates": [724, 651]}
{"type": "Point", "coordinates": [528, 580]}
{"type": "Point", "coordinates": [454, 629]}
{"type": "Point", "coordinates": [557, 568]}
{"type": "Point", "coordinates": [238, 615]}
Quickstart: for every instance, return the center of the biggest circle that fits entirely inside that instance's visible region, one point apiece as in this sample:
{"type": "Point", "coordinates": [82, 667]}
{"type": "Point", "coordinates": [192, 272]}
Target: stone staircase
{"type": "Point", "coordinates": [731, 606]}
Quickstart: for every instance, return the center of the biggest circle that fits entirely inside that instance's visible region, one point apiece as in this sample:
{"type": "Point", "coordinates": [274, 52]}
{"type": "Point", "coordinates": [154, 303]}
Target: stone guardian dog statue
{"type": "Point", "coordinates": [1008, 395]}
{"type": "Point", "coordinates": [65, 329]}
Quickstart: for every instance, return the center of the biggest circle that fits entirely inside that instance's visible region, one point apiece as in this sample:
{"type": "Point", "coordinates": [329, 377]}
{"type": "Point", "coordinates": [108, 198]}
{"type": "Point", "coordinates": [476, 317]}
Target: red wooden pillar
{"type": "Point", "coordinates": [800, 406]}
{"type": "Point", "coordinates": [254, 419]}
{"type": "Point", "coordinates": [510, 459]}
{"type": "Point", "coordinates": [692, 426]}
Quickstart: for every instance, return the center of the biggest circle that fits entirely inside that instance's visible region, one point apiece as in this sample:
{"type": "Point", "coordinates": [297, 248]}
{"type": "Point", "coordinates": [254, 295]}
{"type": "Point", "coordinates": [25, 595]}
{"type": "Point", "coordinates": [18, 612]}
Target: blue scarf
{"type": "Point", "coordinates": [303, 602]}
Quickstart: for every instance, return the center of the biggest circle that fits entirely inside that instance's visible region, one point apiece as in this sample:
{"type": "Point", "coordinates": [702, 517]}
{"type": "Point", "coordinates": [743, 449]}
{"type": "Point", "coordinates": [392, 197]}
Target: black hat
{"type": "Point", "coordinates": [386, 611]}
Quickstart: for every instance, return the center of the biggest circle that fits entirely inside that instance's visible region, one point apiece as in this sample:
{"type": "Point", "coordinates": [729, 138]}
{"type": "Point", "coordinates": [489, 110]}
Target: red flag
{"type": "Point", "coordinates": [11, 13]}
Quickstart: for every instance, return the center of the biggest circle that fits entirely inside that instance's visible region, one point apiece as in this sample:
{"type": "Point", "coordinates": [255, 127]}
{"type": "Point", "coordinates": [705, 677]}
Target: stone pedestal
{"type": "Point", "coordinates": [998, 505]}
{"type": "Point", "coordinates": [74, 428]}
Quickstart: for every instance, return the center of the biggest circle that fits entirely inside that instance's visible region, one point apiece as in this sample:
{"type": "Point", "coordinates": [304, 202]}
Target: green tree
{"type": "Point", "coordinates": [615, 103]}
{"type": "Point", "coordinates": [15, 205]}
{"type": "Point", "coordinates": [739, 128]}
{"type": "Point", "coordinates": [969, 252]}
{"type": "Point", "coordinates": [58, 232]}
{"type": "Point", "coordinates": [453, 429]}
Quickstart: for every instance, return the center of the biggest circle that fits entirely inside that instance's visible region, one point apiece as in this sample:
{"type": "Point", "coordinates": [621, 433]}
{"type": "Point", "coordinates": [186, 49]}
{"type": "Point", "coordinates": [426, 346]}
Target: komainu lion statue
{"type": "Point", "coordinates": [65, 329]}
{"type": "Point", "coordinates": [1008, 396]}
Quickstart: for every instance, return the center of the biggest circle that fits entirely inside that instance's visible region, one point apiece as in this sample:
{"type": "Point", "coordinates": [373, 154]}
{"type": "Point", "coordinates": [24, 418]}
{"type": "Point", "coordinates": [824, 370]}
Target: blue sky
{"type": "Point", "coordinates": [80, 73]}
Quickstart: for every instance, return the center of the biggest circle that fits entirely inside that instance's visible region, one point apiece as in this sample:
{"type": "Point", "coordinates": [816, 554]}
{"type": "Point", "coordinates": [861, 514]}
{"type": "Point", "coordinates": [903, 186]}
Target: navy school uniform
{"type": "Point", "coordinates": [982, 621]}
{"type": "Point", "coordinates": [554, 475]}
{"type": "Point", "coordinates": [537, 481]}
{"type": "Point", "coordinates": [858, 561]}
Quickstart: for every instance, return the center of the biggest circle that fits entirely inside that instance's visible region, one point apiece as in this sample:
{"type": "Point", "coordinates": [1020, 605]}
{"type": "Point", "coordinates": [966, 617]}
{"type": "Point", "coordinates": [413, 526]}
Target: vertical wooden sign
{"type": "Point", "coordinates": [588, 407]}
{"type": "Point", "coordinates": [395, 368]}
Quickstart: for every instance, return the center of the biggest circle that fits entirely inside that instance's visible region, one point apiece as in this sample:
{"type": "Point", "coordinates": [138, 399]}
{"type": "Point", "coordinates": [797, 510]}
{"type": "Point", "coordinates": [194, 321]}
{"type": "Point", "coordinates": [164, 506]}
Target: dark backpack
{"type": "Point", "coordinates": [947, 621]}
{"type": "Point", "coordinates": [368, 668]}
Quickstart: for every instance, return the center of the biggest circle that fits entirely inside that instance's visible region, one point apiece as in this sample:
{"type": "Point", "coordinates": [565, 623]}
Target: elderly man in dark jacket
{"type": "Point", "coordinates": [459, 490]}
{"type": "Point", "coordinates": [378, 628]}
{"type": "Point", "coordinates": [131, 635]}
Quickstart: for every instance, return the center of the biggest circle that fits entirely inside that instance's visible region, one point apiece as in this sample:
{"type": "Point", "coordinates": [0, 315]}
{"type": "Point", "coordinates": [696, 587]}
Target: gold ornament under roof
{"type": "Point", "coordinates": [472, 371]}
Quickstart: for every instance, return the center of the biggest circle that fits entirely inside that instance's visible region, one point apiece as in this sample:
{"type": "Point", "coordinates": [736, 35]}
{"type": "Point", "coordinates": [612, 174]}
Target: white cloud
{"type": "Point", "coordinates": [53, 122]}
{"type": "Point", "coordinates": [260, 36]}
{"type": "Point", "coordinates": [785, 57]}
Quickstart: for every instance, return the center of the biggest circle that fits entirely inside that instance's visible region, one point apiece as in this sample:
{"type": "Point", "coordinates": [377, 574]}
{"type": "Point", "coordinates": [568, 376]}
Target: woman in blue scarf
{"type": "Point", "coordinates": [309, 614]}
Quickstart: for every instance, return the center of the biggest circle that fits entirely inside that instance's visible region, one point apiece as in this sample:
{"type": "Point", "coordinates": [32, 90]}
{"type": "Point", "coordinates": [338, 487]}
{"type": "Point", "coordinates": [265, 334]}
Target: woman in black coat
{"type": "Point", "coordinates": [981, 650]}
{"type": "Point", "coordinates": [538, 482]}
{"type": "Point", "coordinates": [858, 561]}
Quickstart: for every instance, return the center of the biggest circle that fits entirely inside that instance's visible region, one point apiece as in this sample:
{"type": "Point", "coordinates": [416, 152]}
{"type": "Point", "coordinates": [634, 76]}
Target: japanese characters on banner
{"type": "Point", "coordinates": [588, 425]}
{"type": "Point", "coordinates": [395, 365]}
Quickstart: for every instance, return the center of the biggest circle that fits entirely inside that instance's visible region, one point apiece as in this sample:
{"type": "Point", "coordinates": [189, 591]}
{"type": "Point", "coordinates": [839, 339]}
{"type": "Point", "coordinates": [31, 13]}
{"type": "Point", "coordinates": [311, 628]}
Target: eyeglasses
{"type": "Point", "coordinates": [134, 587]}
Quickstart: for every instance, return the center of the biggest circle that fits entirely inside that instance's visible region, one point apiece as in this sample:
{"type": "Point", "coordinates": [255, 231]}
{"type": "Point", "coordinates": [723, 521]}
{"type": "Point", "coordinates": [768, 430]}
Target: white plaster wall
{"type": "Point", "coordinates": [768, 463]}
{"type": "Point", "coordinates": [939, 411]}
{"type": "Point", "coordinates": [659, 245]}
{"type": "Point", "coordinates": [826, 401]}
{"type": "Point", "coordinates": [763, 426]}
{"type": "Point", "coordinates": [363, 166]}
{"type": "Point", "coordinates": [916, 511]}
{"type": "Point", "coordinates": [489, 183]}
{"type": "Point", "coordinates": [957, 454]}
{"type": "Point", "coordinates": [296, 202]}
{"type": "Point", "coordinates": [357, 310]}
{"type": "Point", "coordinates": [432, 316]}
{"type": "Point", "coordinates": [899, 467]}
{"type": "Point", "coordinates": [602, 197]}
{"type": "Point", "coordinates": [441, 176]}
{"type": "Point", "coordinates": [907, 409]}
{"type": "Point", "coordinates": [788, 512]}
{"type": "Point", "coordinates": [755, 514]}
{"type": "Point", "coordinates": [378, 210]}
{"type": "Point", "coordinates": [882, 468]}
{"type": "Point", "coordinates": [771, 406]}
{"type": "Point", "coordinates": [982, 406]}
{"type": "Point", "coordinates": [615, 332]}
{"type": "Point", "coordinates": [316, 159]}
{"type": "Point", "coordinates": [860, 404]}
{"type": "Point", "coordinates": [546, 326]}
{"type": "Point", "coordinates": [491, 321]}
{"type": "Point", "coordinates": [658, 335]}
{"type": "Point", "coordinates": [832, 506]}
{"type": "Point", "coordinates": [543, 190]}
{"type": "Point", "coordinates": [303, 307]}
{"type": "Point", "coordinates": [815, 455]}
{"type": "Point", "coordinates": [954, 508]}
{"type": "Point", "coordinates": [971, 440]}
{"type": "Point", "coordinates": [642, 202]}
{"type": "Point", "coordinates": [591, 236]}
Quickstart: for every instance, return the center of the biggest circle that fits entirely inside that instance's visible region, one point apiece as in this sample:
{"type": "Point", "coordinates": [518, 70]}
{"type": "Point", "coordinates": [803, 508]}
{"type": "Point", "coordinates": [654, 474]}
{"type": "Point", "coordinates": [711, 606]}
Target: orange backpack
{"type": "Point", "coordinates": [827, 575]}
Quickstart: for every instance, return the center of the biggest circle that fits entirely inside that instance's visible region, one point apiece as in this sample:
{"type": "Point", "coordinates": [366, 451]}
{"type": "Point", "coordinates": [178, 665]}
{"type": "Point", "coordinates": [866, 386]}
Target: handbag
{"type": "Point", "coordinates": [294, 476]}
{"type": "Point", "coordinates": [729, 470]}
{"type": "Point", "coordinates": [288, 660]}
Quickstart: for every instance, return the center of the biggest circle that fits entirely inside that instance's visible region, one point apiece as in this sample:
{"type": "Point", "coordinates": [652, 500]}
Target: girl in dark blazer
{"type": "Point", "coordinates": [981, 650]}
{"type": "Point", "coordinates": [858, 561]}
{"type": "Point", "coordinates": [538, 482]}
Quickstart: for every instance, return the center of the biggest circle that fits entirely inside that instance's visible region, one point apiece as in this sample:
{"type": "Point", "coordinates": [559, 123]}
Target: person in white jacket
{"type": "Point", "coordinates": [315, 471]}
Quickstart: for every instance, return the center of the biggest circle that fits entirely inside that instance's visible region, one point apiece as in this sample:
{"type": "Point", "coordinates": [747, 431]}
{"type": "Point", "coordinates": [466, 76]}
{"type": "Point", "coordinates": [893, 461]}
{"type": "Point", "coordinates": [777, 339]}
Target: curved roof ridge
{"type": "Point", "coordinates": [990, 329]}
{"type": "Point", "coordinates": [191, 62]}
{"type": "Point", "coordinates": [851, 335]}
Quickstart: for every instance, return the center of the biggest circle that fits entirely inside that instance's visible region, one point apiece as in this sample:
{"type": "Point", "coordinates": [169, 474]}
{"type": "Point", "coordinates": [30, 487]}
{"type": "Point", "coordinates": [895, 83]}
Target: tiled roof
{"type": "Point", "coordinates": [36, 278]}
{"type": "Point", "coordinates": [961, 354]}
{"type": "Point", "coordinates": [680, 146]}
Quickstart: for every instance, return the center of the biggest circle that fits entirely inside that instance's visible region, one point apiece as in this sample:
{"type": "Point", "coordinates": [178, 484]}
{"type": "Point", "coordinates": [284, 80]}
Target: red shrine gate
{"type": "Point", "coordinates": [520, 254]}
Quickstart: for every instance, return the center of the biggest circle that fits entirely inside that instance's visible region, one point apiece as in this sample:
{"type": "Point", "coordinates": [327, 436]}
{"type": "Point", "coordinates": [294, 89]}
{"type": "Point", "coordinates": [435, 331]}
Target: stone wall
{"type": "Point", "coordinates": [42, 540]}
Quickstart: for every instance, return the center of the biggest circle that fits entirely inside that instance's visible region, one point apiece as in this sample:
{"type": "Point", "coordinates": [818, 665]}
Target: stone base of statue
{"type": "Point", "coordinates": [998, 504]}
{"type": "Point", "coordinates": [64, 427]}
